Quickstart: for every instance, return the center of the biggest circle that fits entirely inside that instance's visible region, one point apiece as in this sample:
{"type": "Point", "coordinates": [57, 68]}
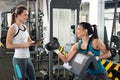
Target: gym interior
{"type": "Point", "coordinates": [59, 18]}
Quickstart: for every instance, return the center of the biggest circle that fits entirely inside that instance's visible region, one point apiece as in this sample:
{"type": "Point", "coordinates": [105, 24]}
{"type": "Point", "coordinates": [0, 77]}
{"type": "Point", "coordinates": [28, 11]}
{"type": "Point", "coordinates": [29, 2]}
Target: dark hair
{"type": "Point", "coordinates": [95, 33]}
{"type": "Point", "coordinates": [91, 29]}
{"type": "Point", "coordinates": [17, 11]}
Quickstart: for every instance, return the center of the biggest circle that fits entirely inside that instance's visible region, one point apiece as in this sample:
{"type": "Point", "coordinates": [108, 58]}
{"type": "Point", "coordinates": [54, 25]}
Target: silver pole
{"type": "Point", "coordinates": [36, 19]}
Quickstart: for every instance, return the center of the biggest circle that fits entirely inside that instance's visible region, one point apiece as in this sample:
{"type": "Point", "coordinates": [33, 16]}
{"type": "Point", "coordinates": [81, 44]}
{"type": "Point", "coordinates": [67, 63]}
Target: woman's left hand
{"type": "Point", "coordinates": [37, 43]}
{"type": "Point", "coordinates": [90, 53]}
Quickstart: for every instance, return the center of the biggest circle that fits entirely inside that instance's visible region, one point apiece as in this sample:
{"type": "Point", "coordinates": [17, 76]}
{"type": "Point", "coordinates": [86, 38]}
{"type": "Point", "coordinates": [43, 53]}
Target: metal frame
{"type": "Point", "coordinates": [60, 4]}
{"type": "Point", "coordinates": [114, 21]}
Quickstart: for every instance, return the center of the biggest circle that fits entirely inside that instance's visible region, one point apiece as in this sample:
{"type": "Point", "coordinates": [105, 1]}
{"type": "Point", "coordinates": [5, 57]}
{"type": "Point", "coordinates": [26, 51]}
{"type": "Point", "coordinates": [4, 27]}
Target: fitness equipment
{"type": "Point", "coordinates": [119, 56]}
{"type": "Point", "coordinates": [81, 62]}
{"type": "Point", "coordinates": [73, 28]}
{"type": "Point", "coordinates": [53, 44]}
{"type": "Point", "coordinates": [115, 40]}
{"type": "Point", "coordinates": [61, 4]}
{"type": "Point", "coordinates": [67, 47]}
{"type": "Point", "coordinates": [114, 47]}
{"type": "Point", "coordinates": [44, 75]}
{"type": "Point", "coordinates": [114, 22]}
{"type": "Point", "coordinates": [113, 52]}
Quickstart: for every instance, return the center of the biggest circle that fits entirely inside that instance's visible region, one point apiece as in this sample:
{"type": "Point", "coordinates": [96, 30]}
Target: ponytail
{"type": "Point", "coordinates": [13, 18]}
{"type": "Point", "coordinates": [95, 34]}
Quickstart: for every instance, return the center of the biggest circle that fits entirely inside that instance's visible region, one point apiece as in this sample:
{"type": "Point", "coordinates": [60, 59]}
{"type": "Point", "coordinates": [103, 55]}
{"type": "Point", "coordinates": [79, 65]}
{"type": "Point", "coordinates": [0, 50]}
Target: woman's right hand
{"type": "Point", "coordinates": [27, 44]}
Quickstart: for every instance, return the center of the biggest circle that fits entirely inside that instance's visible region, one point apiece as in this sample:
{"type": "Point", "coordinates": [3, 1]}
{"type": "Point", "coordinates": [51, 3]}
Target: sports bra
{"type": "Point", "coordinates": [101, 68]}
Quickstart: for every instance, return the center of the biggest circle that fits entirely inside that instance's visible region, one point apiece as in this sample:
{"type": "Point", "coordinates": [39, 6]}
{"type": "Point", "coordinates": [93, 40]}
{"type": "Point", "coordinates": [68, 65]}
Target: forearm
{"type": "Point", "coordinates": [105, 55]}
{"type": "Point", "coordinates": [13, 46]}
{"type": "Point", "coordinates": [63, 57]}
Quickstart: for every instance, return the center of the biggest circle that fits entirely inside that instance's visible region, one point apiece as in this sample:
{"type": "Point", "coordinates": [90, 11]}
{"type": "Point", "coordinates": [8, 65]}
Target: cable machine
{"type": "Point", "coordinates": [114, 21]}
{"type": "Point", "coordinates": [60, 4]}
{"type": "Point", "coordinates": [115, 38]}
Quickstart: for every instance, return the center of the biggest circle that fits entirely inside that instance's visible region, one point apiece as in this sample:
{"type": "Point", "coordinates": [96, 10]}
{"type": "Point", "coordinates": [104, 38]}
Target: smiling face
{"type": "Point", "coordinates": [23, 16]}
{"type": "Point", "coordinates": [81, 31]}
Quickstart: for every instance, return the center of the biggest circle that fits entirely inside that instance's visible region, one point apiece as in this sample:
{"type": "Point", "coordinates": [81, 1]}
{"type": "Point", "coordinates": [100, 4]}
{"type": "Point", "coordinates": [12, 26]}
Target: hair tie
{"type": "Point", "coordinates": [13, 10]}
{"type": "Point", "coordinates": [93, 28]}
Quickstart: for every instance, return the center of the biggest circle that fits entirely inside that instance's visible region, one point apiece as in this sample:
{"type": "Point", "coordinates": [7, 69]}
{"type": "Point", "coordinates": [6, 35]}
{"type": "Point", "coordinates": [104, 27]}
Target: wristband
{"type": "Point", "coordinates": [67, 66]}
{"type": "Point", "coordinates": [97, 58]}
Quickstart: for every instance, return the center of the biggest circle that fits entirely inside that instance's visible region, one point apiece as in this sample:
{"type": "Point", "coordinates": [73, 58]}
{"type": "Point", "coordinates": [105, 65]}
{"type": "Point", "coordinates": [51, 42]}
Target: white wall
{"type": "Point", "coordinates": [62, 21]}
{"type": "Point", "coordinates": [96, 16]}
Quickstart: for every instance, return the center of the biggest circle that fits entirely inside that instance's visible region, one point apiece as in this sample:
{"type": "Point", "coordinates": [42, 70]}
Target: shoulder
{"type": "Point", "coordinates": [12, 28]}
{"type": "Point", "coordinates": [96, 40]}
{"type": "Point", "coordinates": [98, 43]}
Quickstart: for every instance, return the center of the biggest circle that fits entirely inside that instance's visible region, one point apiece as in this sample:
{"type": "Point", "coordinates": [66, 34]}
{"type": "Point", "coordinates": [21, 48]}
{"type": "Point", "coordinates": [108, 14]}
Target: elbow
{"type": "Point", "coordinates": [8, 46]}
{"type": "Point", "coordinates": [109, 54]}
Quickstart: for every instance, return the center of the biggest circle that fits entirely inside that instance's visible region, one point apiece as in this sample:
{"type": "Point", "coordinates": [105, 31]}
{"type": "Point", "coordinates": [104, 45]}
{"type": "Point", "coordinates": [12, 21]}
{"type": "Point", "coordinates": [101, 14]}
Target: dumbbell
{"type": "Point", "coordinates": [113, 51]}
{"type": "Point", "coordinates": [53, 45]}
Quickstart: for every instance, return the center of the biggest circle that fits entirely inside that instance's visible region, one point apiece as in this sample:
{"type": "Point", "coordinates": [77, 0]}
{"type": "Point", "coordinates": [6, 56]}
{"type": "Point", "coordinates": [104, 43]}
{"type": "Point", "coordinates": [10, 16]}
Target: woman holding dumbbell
{"type": "Point", "coordinates": [84, 31]}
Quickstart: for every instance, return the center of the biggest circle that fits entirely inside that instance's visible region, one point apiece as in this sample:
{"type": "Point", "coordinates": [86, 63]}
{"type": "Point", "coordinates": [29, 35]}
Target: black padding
{"type": "Point", "coordinates": [53, 45]}
{"type": "Point", "coordinates": [114, 39]}
{"type": "Point", "coordinates": [113, 51]}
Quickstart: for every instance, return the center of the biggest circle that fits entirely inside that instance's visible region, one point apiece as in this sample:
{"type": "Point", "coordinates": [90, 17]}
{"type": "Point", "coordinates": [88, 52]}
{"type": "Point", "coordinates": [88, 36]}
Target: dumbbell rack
{"type": "Point", "coordinates": [119, 56]}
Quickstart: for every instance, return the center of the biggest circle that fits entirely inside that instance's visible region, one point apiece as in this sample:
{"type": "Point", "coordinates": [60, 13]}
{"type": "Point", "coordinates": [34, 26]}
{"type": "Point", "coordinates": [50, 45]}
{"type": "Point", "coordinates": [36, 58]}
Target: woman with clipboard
{"type": "Point", "coordinates": [18, 38]}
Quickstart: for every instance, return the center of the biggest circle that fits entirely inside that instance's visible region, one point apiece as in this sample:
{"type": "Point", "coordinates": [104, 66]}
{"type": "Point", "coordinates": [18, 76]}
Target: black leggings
{"type": "Point", "coordinates": [23, 69]}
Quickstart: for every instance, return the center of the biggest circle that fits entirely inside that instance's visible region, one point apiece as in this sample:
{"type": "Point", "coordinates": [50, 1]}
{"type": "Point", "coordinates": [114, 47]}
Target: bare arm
{"type": "Point", "coordinates": [71, 53]}
{"type": "Point", "coordinates": [9, 40]}
{"type": "Point", "coordinates": [101, 46]}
